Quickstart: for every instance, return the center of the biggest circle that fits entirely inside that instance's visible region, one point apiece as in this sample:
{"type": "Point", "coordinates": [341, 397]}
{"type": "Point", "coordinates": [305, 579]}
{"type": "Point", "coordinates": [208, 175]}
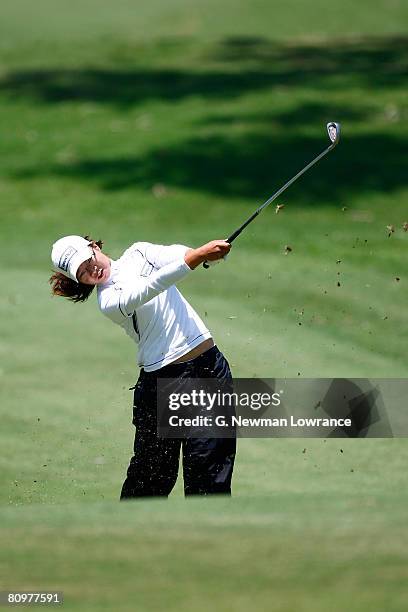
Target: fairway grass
{"type": "Point", "coordinates": [288, 552]}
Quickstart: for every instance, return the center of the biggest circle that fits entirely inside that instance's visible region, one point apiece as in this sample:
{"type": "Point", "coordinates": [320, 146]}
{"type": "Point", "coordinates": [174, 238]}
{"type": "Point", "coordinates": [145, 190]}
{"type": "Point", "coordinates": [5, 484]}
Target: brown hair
{"type": "Point", "coordinates": [66, 287]}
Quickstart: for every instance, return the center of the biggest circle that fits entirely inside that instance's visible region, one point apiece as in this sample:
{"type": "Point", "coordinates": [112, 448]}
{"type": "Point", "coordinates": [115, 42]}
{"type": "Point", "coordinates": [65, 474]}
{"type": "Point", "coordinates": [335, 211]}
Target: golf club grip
{"type": "Point", "coordinates": [237, 232]}
{"type": "Point", "coordinates": [208, 264]}
{"type": "Point", "coordinates": [234, 235]}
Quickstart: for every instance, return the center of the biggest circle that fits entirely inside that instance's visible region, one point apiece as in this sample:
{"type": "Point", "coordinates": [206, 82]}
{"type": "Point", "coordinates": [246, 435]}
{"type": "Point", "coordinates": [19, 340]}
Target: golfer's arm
{"type": "Point", "coordinates": [134, 294]}
{"type": "Point", "coordinates": [194, 257]}
{"type": "Point", "coordinates": [160, 255]}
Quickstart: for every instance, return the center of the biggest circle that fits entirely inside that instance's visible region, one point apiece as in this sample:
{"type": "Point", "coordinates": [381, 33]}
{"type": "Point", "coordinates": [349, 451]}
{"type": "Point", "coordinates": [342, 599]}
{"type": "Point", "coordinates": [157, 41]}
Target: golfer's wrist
{"type": "Point", "coordinates": [194, 257]}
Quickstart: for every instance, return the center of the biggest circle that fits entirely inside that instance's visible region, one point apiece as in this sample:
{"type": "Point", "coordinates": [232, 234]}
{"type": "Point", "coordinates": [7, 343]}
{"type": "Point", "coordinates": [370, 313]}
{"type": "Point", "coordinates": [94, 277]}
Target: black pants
{"type": "Point", "coordinates": [207, 462]}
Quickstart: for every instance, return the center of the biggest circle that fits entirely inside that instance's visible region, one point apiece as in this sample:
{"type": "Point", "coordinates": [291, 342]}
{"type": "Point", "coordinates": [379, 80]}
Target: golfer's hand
{"type": "Point", "coordinates": [216, 249]}
{"type": "Point", "coordinates": [212, 251]}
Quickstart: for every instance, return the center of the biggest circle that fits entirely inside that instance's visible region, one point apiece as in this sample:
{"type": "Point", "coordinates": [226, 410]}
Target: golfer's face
{"type": "Point", "coordinates": [95, 270]}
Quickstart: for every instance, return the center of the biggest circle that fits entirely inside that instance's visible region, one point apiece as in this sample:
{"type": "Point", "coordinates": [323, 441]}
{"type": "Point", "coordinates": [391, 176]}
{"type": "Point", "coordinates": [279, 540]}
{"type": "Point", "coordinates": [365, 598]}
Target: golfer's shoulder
{"type": "Point", "coordinates": [109, 301]}
{"type": "Point", "coordinates": [125, 271]}
{"type": "Point", "coordinates": [109, 293]}
{"type": "Point", "coordinates": [136, 251]}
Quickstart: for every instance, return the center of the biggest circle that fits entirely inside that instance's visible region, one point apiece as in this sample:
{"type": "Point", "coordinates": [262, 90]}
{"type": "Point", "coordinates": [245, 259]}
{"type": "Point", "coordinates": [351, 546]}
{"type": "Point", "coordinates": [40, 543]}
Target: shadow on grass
{"type": "Point", "coordinates": [371, 61]}
{"type": "Point", "coordinates": [239, 66]}
{"type": "Point", "coordinates": [253, 166]}
{"type": "Point", "coordinates": [257, 159]}
{"type": "Point", "coordinates": [307, 114]}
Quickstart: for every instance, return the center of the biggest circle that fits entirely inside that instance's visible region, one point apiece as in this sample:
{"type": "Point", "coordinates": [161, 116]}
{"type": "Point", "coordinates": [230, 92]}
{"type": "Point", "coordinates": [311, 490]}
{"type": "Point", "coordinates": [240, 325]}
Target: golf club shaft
{"type": "Point", "coordinates": [333, 131]}
{"type": "Point", "coordinates": [278, 193]}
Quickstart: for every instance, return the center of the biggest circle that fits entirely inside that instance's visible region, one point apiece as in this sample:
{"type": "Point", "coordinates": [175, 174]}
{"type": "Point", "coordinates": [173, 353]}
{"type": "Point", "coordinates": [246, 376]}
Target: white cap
{"type": "Point", "coordinates": [68, 253]}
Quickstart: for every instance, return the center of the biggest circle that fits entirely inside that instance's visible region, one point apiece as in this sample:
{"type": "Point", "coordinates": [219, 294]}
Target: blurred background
{"type": "Point", "coordinates": [170, 122]}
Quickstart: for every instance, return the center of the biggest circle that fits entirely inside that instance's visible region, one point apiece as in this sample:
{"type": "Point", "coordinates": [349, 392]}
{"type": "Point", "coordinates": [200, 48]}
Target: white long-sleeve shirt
{"type": "Point", "coordinates": [140, 296]}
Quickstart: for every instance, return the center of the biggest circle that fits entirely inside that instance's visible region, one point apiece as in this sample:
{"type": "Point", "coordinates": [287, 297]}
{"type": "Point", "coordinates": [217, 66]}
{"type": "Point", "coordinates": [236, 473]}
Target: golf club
{"type": "Point", "coordinates": [333, 130]}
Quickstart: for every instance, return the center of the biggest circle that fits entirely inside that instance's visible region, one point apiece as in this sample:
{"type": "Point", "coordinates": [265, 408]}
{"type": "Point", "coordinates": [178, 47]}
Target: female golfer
{"type": "Point", "coordinates": [138, 292]}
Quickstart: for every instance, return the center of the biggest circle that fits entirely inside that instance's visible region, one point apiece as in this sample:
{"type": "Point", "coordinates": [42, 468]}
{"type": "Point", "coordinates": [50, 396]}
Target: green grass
{"type": "Point", "coordinates": [170, 122]}
{"type": "Point", "coordinates": [54, 22]}
{"type": "Point", "coordinates": [281, 552]}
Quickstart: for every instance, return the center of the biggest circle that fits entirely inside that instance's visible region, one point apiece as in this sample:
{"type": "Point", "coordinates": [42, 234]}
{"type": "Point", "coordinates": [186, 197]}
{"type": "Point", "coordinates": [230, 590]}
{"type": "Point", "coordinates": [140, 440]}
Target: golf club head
{"type": "Point", "coordinates": [333, 130]}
